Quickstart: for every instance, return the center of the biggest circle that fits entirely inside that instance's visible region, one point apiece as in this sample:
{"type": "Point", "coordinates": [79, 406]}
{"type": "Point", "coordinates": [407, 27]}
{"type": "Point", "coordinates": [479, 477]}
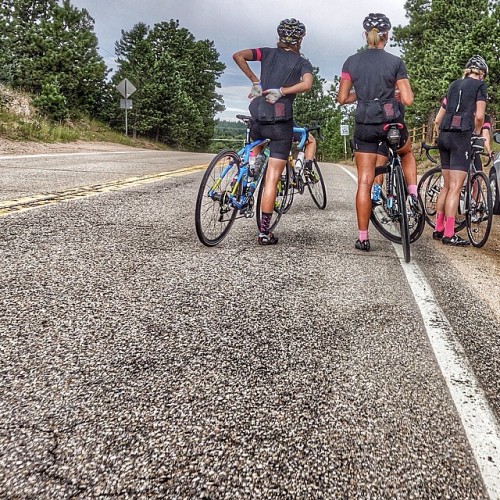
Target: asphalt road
{"type": "Point", "coordinates": [136, 362]}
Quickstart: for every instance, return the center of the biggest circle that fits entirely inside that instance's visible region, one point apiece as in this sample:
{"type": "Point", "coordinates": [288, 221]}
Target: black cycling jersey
{"type": "Point", "coordinates": [460, 104]}
{"type": "Point", "coordinates": [374, 73]}
{"type": "Point", "coordinates": [280, 67]}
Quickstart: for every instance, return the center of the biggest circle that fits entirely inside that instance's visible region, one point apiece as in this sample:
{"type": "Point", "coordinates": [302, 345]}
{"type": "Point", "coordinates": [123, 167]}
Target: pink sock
{"type": "Point", "coordinates": [440, 221]}
{"type": "Point", "coordinates": [363, 235]}
{"type": "Point", "coordinates": [449, 228]}
{"type": "Point", "coordinates": [412, 189]}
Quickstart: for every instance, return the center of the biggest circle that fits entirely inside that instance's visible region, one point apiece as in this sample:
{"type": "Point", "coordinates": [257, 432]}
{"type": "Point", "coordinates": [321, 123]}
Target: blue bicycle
{"type": "Point", "coordinates": [227, 190]}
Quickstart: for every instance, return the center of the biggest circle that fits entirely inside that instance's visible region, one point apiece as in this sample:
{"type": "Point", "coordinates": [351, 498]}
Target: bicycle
{"type": "Point", "coordinates": [396, 217]}
{"type": "Point", "coordinates": [476, 202]}
{"type": "Point", "coordinates": [300, 177]}
{"type": "Point", "coordinates": [227, 190]}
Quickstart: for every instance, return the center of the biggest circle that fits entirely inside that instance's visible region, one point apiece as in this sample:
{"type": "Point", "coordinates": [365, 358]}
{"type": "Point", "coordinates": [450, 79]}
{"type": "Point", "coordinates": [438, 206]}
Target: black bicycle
{"type": "Point", "coordinates": [396, 217]}
{"type": "Point", "coordinates": [227, 190]}
{"type": "Point", "coordinates": [299, 177]}
{"type": "Point", "coordinates": [475, 208]}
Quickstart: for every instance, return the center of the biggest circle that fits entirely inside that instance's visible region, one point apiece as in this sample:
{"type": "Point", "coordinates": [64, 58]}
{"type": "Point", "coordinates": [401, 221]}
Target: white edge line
{"type": "Point", "coordinates": [481, 427]}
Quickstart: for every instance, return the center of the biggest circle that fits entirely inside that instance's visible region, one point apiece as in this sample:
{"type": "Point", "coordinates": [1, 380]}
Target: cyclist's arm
{"type": "Point", "coordinates": [406, 94]}
{"type": "Point", "coordinates": [303, 86]}
{"type": "Point", "coordinates": [240, 58]}
{"type": "Point", "coordinates": [439, 118]}
{"type": "Point", "coordinates": [479, 116]}
{"type": "Point", "coordinates": [345, 95]}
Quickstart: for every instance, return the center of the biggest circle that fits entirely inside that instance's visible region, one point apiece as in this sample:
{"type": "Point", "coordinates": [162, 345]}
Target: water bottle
{"type": "Point", "coordinates": [251, 164]}
{"type": "Point", "coordinates": [259, 163]}
{"type": "Point", "coordinates": [299, 162]}
{"type": "Point", "coordinates": [461, 209]}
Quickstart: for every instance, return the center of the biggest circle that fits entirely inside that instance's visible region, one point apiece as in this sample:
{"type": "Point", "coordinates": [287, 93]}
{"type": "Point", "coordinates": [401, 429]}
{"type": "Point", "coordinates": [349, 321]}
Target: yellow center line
{"type": "Point", "coordinates": [39, 200]}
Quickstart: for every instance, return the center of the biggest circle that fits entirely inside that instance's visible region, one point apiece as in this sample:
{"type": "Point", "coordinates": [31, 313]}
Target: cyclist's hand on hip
{"type": "Point", "coordinates": [256, 90]}
{"type": "Point", "coordinates": [272, 95]}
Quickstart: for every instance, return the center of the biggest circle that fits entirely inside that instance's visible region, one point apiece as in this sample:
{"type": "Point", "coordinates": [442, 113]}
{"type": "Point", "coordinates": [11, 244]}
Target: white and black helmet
{"type": "Point", "coordinates": [291, 31]}
{"type": "Point", "coordinates": [377, 21]}
{"type": "Point", "coordinates": [477, 62]}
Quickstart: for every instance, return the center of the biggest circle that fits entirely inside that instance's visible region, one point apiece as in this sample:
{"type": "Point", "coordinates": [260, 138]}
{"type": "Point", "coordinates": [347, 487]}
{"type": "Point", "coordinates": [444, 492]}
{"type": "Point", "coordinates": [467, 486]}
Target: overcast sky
{"type": "Point", "coordinates": [334, 30]}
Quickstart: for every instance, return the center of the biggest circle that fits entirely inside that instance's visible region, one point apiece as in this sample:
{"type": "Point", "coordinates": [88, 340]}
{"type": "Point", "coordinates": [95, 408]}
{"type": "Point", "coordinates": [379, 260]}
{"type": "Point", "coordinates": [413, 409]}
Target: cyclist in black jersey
{"type": "Point", "coordinates": [284, 73]}
{"type": "Point", "coordinates": [370, 78]}
{"type": "Point", "coordinates": [459, 121]}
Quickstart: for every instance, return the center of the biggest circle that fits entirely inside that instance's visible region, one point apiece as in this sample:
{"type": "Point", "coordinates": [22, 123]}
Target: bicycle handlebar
{"type": "Point", "coordinates": [429, 147]}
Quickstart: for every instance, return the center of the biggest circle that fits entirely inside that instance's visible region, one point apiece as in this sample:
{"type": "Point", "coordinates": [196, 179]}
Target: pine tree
{"type": "Point", "coordinates": [438, 41]}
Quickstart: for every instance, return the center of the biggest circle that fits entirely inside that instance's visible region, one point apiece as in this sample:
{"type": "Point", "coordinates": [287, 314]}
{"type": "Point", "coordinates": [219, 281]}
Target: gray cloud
{"type": "Point", "coordinates": [334, 29]}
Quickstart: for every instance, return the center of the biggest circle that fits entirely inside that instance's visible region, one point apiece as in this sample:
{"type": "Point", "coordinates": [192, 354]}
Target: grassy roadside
{"type": "Point", "coordinates": [36, 129]}
{"type": "Point", "coordinates": [20, 122]}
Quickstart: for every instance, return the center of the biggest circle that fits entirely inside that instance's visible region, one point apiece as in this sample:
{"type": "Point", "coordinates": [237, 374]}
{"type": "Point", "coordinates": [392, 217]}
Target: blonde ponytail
{"type": "Point", "coordinates": [372, 37]}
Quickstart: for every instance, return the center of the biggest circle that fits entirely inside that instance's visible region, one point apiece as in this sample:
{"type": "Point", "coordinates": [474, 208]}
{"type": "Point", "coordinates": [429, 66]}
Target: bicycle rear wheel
{"type": "Point", "coordinates": [480, 213]}
{"type": "Point", "coordinates": [400, 188]}
{"type": "Point", "coordinates": [316, 184]}
{"type": "Point", "coordinates": [385, 216]}
{"type": "Point", "coordinates": [214, 212]}
{"type": "Point", "coordinates": [281, 201]}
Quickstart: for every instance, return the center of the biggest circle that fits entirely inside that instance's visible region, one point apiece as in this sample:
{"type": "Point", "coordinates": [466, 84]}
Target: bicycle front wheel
{"type": "Point", "coordinates": [400, 188]}
{"type": "Point", "coordinates": [280, 202]}
{"type": "Point", "coordinates": [480, 213]}
{"type": "Point", "coordinates": [290, 181]}
{"type": "Point", "coordinates": [429, 187]}
{"type": "Point", "coordinates": [316, 184]}
{"type": "Point", "coordinates": [214, 212]}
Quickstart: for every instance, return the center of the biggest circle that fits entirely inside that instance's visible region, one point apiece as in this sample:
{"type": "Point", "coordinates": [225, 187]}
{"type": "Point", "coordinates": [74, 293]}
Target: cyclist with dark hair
{"type": "Point", "coordinates": [370, 78]}
{"type": "Point", "coordinates": [459, 120]}
{"type": "Point", "coordinates": [284, 73]}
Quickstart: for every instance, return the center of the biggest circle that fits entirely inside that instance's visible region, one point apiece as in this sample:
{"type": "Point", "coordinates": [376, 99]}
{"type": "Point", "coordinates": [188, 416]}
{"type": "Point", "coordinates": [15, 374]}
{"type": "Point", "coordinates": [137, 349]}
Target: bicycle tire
{"type": "Point", "coordinates": [280, 202]}
{"type": "Point", "coordinates": [495, 194]}
{"type": "Point", "coordinates": [316, 185]}
{"type": "Point", "coordinates": [400, 187]}
{"type": "Point", "coordinates": [480, 213]}
{"type": "Point", "coordinates": [386, 221]}
{"type": "Point", "coordinates": [429, 188]}
{"type": "Point", "coordinates": [214, 214]}
{"type": "Point", "coordinates": [291, 192]}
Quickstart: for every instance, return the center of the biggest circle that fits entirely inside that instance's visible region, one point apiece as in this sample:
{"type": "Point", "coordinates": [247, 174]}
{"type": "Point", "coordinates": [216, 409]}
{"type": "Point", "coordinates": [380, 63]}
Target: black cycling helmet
{"type": "Point", "coordinates": [291, 31]}
{"type": "Point", "coordinates": [377, 21]}
{"type": "Point", "coordinates": [477, 62]}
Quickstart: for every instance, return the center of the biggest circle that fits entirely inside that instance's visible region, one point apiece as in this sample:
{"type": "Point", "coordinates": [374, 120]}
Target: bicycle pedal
{"type": "Point", "coordinates": [249, 214]}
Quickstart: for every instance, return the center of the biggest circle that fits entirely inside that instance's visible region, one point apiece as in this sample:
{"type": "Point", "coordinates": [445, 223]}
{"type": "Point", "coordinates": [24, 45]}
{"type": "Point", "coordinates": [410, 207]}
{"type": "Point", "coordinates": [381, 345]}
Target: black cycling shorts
{"type": "Point", "coordinates": [371, 138]}
{"type": "Point", "coordinates": [281, 135]}
{"type": "Point", "coordinates": [455, 150]}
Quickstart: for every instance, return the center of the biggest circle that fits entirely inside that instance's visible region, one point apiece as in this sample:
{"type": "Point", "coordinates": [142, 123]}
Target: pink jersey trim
{"type": "Point", "coordinates": [345, 76]}
{"type": "Point", "coordinates": [258, 53]}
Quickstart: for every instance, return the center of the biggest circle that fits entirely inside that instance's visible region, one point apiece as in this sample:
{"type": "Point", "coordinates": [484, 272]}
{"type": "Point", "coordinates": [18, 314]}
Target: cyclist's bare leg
{"type": "Point", "coordinates": [453, 180]}
{"type": "Point", "coordinates": [310, 148]}
{"type": "Point", "coordinates": [365, 164]}
{"type": "Point", "coordinates": [273, 174]}
{"type": "Point", "coordinates": [409, 165]}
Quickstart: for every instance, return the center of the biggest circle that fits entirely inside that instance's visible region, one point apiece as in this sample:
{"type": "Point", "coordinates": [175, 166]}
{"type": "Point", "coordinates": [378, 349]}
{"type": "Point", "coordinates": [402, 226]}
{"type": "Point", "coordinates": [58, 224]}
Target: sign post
{"type": "Point", "coordinates": [126, 88]}
{"type": "Point", "coordinates": [344, 131]}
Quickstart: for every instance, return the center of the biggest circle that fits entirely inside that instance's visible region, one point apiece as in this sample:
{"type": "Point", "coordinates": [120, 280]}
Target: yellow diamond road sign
{"type": "Point", "coordinates": [126, 88]}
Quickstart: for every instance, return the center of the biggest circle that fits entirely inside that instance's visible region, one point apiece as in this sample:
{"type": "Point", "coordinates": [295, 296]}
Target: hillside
{"type": "Point", "coordinates": [24, 130]}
